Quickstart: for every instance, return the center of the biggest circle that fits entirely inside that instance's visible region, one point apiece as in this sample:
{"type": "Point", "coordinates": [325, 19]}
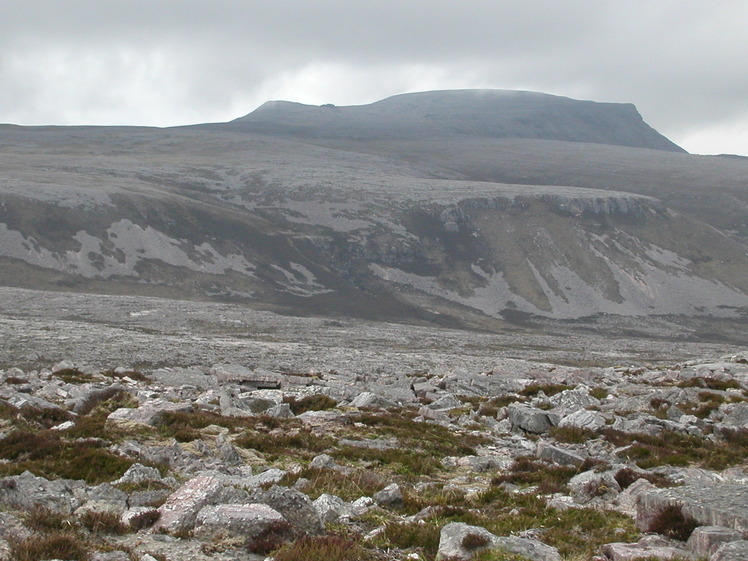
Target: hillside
{"type": "Point", "coordinates": [469, 209]}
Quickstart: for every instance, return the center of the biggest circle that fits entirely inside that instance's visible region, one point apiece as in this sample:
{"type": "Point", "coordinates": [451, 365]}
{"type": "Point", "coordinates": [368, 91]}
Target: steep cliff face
{"type": "Point", "coordinates": [400, 230]}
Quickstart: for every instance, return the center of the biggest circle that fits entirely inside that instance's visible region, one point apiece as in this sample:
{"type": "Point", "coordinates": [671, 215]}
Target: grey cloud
{"type": "Point", "coordinates": [176, 61]}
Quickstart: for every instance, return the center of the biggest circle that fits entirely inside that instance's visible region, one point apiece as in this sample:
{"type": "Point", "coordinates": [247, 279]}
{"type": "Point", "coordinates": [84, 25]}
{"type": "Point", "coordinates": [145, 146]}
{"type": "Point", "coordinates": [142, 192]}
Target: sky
{"type": "Point", "coordinates": [683, 63]}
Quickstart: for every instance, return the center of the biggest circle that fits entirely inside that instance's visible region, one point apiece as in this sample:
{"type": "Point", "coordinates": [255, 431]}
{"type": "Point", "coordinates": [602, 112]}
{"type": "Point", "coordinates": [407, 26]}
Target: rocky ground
{"type": "Point", "coordinates": [525, 460]}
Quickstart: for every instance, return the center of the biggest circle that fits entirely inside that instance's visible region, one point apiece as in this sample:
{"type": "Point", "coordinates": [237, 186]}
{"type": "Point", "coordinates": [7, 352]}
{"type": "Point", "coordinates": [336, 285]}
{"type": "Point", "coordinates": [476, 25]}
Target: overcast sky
{"type": "Point", "coordinates": [684, 63]}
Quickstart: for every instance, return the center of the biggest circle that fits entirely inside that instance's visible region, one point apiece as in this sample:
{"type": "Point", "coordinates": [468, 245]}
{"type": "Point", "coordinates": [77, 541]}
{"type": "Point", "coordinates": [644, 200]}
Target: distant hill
{"type": "Point", "coordinates": [475, 113]}
{"type": "Point", "coordinates": [475, 209]}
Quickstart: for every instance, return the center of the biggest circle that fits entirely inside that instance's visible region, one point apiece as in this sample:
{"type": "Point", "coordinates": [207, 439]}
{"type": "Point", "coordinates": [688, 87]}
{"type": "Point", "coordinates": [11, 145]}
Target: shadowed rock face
{"type": "Point", "coordinates": [460, 208]}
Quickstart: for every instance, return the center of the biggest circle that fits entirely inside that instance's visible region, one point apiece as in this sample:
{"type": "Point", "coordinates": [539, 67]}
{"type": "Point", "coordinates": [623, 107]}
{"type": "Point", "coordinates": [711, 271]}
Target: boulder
{"type": "Point", "coordinates": [391, 496]}
{"type": "Point", "coordinates": [531, 419]}
{"type": "Point", "coordinates": [706, 540]}
{"type": "Point", "coordinates": [246, 521]}
{"type": "Point", "coordinates": [180, 510]}
{"type": "Point", "coordinates": [330, 508]}
{"type": "Point", "coordinates": [459, 542]}
{"type": "Point", "coordinates": [27, 491]}
{"type": "Point", "coordinates": [558, 455]}
{"type": "Point", "coordinates": [718, 504]}
{"type": "Point", "coordinates": [295, 507]}
{"type": "Point", "coordinates": [735, 551]}
{"type": "Point", "coordinates": [369, 399]}
{"type": "Point", "coordinates": [148, 413]}
{"type": "Point", "coordinates": [583, 419]}
{"type": "Point", "coordinates": [590, 485]}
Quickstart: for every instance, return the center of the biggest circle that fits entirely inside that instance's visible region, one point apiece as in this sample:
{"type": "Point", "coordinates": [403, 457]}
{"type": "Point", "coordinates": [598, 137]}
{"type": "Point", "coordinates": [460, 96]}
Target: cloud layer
{"type": "Point", "coordinates": [169, 62]}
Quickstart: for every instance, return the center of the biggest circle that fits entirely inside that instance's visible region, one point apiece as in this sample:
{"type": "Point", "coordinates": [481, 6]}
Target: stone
{"type": "Point", "coordinates": [452, 537]}
{"type": "Point", "coordinates": [247, 521]}
{"type": "Point", "coordinates": [705, 540]}
{"type": "Point", "coordinates": [445, 403]}
{"type": "Point", "coordinates": [718, 504]}
{"type": "Point", "coordinates": [369, 399]}
{"type": "Point", "coordinates": [323, 461]}
{"type": "Point", "coordinates": [148, 413]}
{"type": "Point", "coordinates": [391, 496]}
{"type": "Point", "coordinates": [280, 411]}
{"type": "Point", "coordinates": [558, 455]}
{"type": "Point", "coordinates": [110, 556]}
{"type": "Point", "coordinates": [574, 399]}
{"type": "Point", "coordinates": [455, 544]}
{"type": "Point", "coordinates": [180, 510]}
{"type": "Point", "coordinates": [138, 473]}
{"type": "Point", "coordinates": [642, 551]}
{"type": "Point", "coordinates": [27, 491]}
{"type": "Point", "coordinates": [330, 508]}
{"type": "Point", "coordinates": [735, 551]}
{"type": "Point", "coordinates": [531, 419]}
{"type": "Point", "coordinates": [533, 550]}
{"type": "Point", "coordinates": [587, 486]}
{"type": "Point", "coordinates": [295, 507]}
{"type": "Point", "coordinates": [583, 419]}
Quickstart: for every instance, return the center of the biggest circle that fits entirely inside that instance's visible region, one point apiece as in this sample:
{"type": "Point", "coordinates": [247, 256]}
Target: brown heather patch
{"type": "Point", "coordinates": [54, 545]}
{"type": "Point", "coordinates": [710, 383]}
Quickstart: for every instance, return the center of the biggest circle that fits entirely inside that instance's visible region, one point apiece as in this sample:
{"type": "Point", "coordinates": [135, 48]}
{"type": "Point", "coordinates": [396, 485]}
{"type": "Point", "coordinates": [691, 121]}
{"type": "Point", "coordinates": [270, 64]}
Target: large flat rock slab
{"type": "Point", "coordinates": [711, 505]}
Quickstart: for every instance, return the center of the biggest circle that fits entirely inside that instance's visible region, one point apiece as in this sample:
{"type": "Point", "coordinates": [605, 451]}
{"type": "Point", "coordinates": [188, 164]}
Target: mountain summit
{"type": "Point", "coordinates": [472, 113]}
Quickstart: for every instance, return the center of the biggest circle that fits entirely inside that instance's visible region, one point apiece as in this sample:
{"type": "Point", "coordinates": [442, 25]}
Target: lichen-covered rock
{"type": "Point", "coordinates": [583, 419]}
{"type": "Point", "coordinates": [27, 491]}
{"type": "Point", "coordinates": [295, 507]}
{"type": "Point", "coordinates": [246, 521]}
{"type": "Point", "coordinates": [459, 542]}
{"type": "Point", "coordinates": [452, 541]}
{"type": "Point", "coordinates": [330, 508]}
{"type": "Point", "coordinates": [180, 510]}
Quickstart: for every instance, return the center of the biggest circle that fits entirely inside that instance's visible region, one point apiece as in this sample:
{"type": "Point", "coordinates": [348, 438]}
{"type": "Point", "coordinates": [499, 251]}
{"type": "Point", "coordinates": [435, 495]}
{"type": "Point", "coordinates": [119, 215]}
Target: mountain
{"type": "Point", "coordinates": [467, 208]}
{"type": "Point", "coordinates": [471, 113]}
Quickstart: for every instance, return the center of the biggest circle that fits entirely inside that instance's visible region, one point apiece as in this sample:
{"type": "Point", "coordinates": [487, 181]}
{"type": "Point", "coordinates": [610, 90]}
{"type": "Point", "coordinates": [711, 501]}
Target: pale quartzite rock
{"type": "Point", "coordinates": [180, 510]}
{"type": "Point", "coordinates": [248, 521]}
{"type": "Point", "coordinates": [705, 540]}
{"type": "Point", "coordinates": [711, 505]}
{"type": "Point", "coordinates": [735, 551]}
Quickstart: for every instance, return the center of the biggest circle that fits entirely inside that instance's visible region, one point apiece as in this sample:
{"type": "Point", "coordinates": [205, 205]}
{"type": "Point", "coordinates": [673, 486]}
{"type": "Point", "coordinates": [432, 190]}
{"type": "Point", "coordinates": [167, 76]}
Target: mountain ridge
{"type": "Point", "coordinates": [483, 113]}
